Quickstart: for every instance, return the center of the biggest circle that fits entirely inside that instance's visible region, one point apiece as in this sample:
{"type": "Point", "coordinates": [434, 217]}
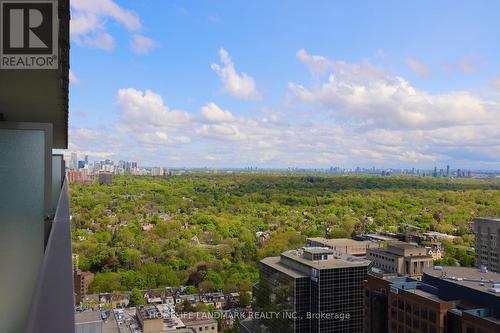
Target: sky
{"type": "Point", "coordinates": [277, 84]}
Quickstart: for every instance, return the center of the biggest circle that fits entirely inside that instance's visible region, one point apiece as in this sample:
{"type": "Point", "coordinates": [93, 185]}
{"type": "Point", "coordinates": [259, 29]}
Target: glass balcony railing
{"type": "Point", "coordinates": [36, 281]}
{"type": "Point", "coordinates": [52, 308]}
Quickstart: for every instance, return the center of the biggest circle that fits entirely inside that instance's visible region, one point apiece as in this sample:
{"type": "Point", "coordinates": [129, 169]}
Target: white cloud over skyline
{"type": "Point", "coordinates": [351, 112]}
{"type": "Point", "coordinates": [146, 119]}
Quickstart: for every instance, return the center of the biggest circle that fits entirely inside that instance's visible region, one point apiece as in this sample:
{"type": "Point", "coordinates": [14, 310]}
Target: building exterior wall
{"type": "Point", "coordinates": [375, 305]}
{"type": "Point", "coordinates": [149, 325]}
{"type": "Point", "coordinates": [487, 231]}
{"type": "Point", "coordinates": [436, 305]}
{"type": "Point", "coordinates": [106, 178]}
{"type": "Point", "coordinates": [415, 266]}
{"type": "Point", "coordinates": [341, 294]}
{"type": "Point", "coordinates": [473, 324]}
{"type": "Point", "coordinates": [347, 246]}
{"type": "Point", "coordinates": [337, 292]}
{"type": "Point", "coordinates": [386, 261]}
{"type": "Point", "coordinates": [410, 312]}
{"type": "Point", "coordinates": [452, 291]}
{"type": "Point", "coordinates": [276, 293]}
{"type": "Point", "coordinates": [208, 327]}
{"type": "Point", "coordinates": [405, 261]}
{"type": "Point", "coordinates": [82, 282]}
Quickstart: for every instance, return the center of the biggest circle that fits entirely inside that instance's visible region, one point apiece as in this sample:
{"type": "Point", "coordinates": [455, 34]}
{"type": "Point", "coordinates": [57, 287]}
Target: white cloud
{"type": "Point", "coordinates": [84, 141]}
{"type": "Point", "coordinates": [273, 117]}
{"type": "Point", "coordinates": [496, 83]}
{"type": "Point", "coordinates": [73, 78]}
{"type": "Point", "coordinates": [466, 65]}
{"type": "Point", "coordinates": [84, 134]}
{"type": "Point", "coordinates": [102, 41]}
{"type": "Point", "coordinates": [469, 64]}
{"type": "Point", "coordinates": [357, 115]}
{"type": "Point", "coordinates": [89, 23]}
{"type": "Point", "coordinates": [97, 10]}
{"type": "Point", "coordinates": [148, 108]}
{"type": "Point", "coordinates": [145, 117]}
{"type": "Point", "coordinates": [142, 44]}
{"type": "Point", "coordinates": [319, 65]}
{"type": "Point", "coordinates": [388, 119]}
{"type": "Point", "coordinates": [213, 113]}
{"type": "Point", "coordinates": [418, 68]}
{"type": "Point", "coordinates": [235, 84]}
{"type": "Point", "coordinates": [222, 132]}
{"type": "Point", "coordinates": [394, 103]}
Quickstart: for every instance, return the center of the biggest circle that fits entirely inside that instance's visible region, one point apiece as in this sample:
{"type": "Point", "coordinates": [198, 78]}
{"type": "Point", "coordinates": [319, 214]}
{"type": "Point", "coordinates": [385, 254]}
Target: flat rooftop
{"type": "Point", "coordinates": [149, 311]}
{"type": "Point", "coordinates": [345, 262]}
{"type": "Point", "coordinates": [336, 242]}
{"type": "Point", "coordinates": [87, 317]}
{"type": "Point", "coordinates": [469, 277]}
{"type": "Point", "coordinates": [275, 263]}
{"type": "Point", "coordinates": [427, 295]}
{"type": "Point", "coordinates": [110, 325]}
{"type": "Point", "coordinates": [318, 250]}
{"type": "Point", "coordinates": [403, 245]}
{"type": "Point", "coordinates": [381, 237]}
{"type": "Point", "coordinates": [197, 318]}
{"type": "Point", "coordinates": [487, 219]}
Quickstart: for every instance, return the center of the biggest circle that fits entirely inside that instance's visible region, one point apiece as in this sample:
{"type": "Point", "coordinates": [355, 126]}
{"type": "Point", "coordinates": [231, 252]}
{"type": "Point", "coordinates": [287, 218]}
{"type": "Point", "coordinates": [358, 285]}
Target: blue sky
{"type": "Point", "coordinates": [287, 83]}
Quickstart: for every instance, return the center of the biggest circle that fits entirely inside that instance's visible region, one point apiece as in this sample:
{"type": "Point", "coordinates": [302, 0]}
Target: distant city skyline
{"type": "Point", "coordinates": [85, 167]}
{"type": "Point", "coordinates": [386, 84]}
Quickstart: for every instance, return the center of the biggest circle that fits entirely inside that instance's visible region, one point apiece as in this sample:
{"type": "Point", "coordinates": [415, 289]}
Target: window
{"type": "Point", "coordinates": [416, 310]}
{"type": "Point", "coordinates": [408, 307]}
{"type": "Point", "coordinates": [432, 316]}
{"type": "Point", "coordinates": [423, 313]}
{"type": "Point", "coordinates": [415, 323]}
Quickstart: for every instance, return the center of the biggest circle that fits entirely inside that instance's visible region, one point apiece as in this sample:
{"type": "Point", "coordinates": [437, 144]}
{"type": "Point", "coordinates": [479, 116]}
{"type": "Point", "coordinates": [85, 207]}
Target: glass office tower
{"type": "Point", "coordinates": [311, 290]}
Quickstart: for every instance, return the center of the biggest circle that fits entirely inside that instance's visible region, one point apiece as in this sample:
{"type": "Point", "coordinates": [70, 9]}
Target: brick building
{"type": "Point", "coordinates": [447, 300]}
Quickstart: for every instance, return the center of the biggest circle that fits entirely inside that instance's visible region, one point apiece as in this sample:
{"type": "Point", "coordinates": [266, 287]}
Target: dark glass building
{"type": "Point", "coordinates": [311, 290]}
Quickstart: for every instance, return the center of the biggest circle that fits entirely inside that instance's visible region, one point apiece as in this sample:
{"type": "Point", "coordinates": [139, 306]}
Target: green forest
{"type": "Point", "coordinates": [199, 229]}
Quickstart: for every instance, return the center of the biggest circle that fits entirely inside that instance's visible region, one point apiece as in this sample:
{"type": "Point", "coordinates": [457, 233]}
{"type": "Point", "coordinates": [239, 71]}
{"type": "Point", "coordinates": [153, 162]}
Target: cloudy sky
{"type": "Point", "coordinates": [287, 83]}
